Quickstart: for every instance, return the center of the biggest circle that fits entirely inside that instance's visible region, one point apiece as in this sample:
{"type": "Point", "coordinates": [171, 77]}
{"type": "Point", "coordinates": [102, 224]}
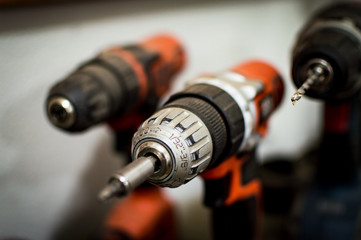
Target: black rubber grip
{"type": "Point", "coordinates": [227, 108]}
{"type": "Point", "coordinates": [238, 221]}
{"type": "Point", "coordinates": [217, 191]}
{"type": "Point", "coordinates": [211, 118]}
{"type": "Point", "coordinates": [126, 79]}
{"type": "Point", "coordinates": [239, 217]}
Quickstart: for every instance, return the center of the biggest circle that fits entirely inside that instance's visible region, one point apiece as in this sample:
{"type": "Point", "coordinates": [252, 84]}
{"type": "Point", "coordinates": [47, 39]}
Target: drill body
{"type": "Point", "coordinates": [214, 118]}
{"type": "Point", "coordinates": [326, 65]}
{"type": "Point", "coordinates": [121, 87]}
{"type": "Point", "coordinates": [210, 129]}
{"type": "Point", "coordinates": [328, 50]}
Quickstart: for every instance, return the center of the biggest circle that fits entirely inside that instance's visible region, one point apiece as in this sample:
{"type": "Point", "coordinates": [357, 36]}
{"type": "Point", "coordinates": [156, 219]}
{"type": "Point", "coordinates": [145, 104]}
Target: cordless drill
{"type": "Point", "coordinates": [209, 128]}
{"type": "Point", "coordinates": [122, 86]}
{"type": "Point", "coordinates": [326, 64]}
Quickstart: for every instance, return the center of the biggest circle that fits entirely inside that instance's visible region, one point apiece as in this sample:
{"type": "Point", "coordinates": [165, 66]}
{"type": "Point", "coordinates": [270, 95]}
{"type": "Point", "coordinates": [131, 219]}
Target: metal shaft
{"type": "Point", "coordinates": [302, 90]}
{"type": "Point", "coordinates": [128, 178]}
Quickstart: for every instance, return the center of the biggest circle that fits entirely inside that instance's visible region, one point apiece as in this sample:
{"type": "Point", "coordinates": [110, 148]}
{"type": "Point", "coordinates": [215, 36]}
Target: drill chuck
{"type": "Point", "coordinates": [330, 41]}
{"type": "Point", "coordinates": [82, 100]}
{"type": "Point", "coordinates": [117, 81]}
{"type": "Point", "coordinates": [318, 74]}
{"type": "Point", "coordinates": [181, 142]}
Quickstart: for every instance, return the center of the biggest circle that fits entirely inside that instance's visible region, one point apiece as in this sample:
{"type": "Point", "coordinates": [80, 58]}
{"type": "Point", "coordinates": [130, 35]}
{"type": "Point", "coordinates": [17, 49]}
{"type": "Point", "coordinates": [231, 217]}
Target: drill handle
{"type": "Point", "coordinates": [233, 191]}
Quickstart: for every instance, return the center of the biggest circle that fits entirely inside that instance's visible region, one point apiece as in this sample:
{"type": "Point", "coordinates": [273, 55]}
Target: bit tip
{"type": "Point", "coordinates": [295, 97]}
{"type": "Point", "coordinates": [114, 188]}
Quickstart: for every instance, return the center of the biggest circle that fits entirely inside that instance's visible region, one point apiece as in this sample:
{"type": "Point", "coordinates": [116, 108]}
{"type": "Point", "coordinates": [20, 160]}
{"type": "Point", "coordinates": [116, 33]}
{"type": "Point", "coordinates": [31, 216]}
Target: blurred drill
{"type": "Point", "coordinates": [122, 86]}
{"type": "Point", "coordinates": [115, 85]}
{"type": "Point", "coordinates": [326, 64]}
{"type": "Point", "coordinates": [327, 55]}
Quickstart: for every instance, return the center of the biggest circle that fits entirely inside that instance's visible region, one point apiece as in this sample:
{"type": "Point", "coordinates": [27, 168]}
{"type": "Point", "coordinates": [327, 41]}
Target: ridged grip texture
{"type": "Point", "coordinates": [211, 119]}
{"type": "Point", "coordinates": [91, 98]}
{"type": "Point", "coordinates": [228, 115]}
{"type": "Point", "coordinates": [126, 79]}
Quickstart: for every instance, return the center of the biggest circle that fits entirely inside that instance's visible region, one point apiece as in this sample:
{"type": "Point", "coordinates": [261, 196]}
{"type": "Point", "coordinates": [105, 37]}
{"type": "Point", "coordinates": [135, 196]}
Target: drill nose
{"type": "Point", "coordinates": [129, 178]}
{"type": "Point", "coordinates": [61, 112]}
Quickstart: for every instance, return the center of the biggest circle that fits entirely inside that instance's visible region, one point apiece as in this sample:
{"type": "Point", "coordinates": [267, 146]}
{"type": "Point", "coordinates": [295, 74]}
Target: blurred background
{"type": "Point", "coordinates": [49, 179]}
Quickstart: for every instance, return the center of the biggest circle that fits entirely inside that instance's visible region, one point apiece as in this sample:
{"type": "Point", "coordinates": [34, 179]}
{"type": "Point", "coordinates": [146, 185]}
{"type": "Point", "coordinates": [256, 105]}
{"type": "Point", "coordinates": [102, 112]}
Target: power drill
{"type": "Point", "coordinates": [119, 86]}
{"type": "Point", "coordinates": [122, 86]}
{"type": "Point", "coordinates": [209, 127]}
{"type": "Point", "coordinates": [326, 64]}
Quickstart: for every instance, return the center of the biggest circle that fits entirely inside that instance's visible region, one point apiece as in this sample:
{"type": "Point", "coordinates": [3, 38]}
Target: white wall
{"type": "Point", "coordinates": [49, 179]}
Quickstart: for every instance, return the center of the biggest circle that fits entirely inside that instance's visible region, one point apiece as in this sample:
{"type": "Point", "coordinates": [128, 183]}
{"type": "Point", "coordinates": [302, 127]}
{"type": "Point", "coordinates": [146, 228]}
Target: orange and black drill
{"type": "Point", "coordinates": [121, 86]}
{"type": "Point", "coordinates": [326, 65]}
{"type": "Point", "coordinates": [210, 128]}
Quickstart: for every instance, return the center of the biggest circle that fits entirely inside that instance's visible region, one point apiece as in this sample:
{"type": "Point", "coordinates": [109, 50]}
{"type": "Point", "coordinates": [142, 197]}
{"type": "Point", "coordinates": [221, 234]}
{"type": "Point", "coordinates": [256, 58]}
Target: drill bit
{"type": "Point", "coordinates": [128, 178]}
{"type": "Point", "coordinates": [113, 189]}
{"type": "Point", "coordinates": [302, 90]}
{"type": "Point", "coordinates": [317, 74]}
